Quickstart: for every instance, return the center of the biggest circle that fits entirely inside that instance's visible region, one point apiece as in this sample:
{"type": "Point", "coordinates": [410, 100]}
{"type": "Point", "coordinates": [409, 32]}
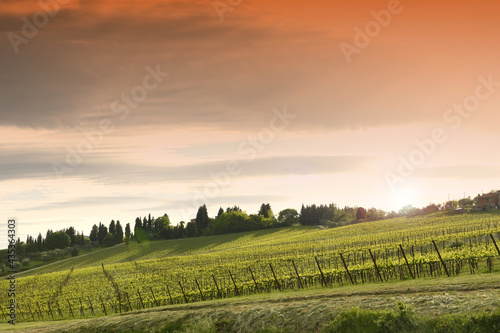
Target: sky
{"type": "Point", "coordinates": [117, 109]}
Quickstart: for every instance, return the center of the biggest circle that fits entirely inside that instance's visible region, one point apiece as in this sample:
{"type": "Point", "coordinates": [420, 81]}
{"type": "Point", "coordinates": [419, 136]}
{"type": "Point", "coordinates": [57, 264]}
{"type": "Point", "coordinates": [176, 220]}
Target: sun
{"type": "Point", "coordinates": [403, 197]}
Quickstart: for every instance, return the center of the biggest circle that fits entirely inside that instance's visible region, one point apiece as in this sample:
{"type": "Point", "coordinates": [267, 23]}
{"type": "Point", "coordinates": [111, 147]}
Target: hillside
{"type": "Point", "coordinates": [169, 273]}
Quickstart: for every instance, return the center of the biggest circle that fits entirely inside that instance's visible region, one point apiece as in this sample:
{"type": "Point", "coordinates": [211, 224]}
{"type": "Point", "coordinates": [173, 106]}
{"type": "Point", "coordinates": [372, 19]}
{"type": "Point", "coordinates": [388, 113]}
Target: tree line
{"type": "Point", "coordinates": [229, 220]}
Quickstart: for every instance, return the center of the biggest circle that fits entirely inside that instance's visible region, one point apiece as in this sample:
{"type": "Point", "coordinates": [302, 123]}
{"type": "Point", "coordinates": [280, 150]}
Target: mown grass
{"type": "Point", "coordinates": [468, 303]}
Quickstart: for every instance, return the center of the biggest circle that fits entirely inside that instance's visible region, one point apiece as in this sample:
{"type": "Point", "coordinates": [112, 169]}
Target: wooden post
{"type": "Point", "coordinates": [347, 269]}
{"type": "Point", "coordinates": [254, 281]}
{"type": "Point", "coordinates": [140, 298]}
{"type": "Point", "coordinates": [275, 278]}
{"type": "Point", "coordinates": [81, 308]}
{"type": "Point", "coordinates": [494, 242]}
{"type": "Point", "coordinates": [29, 307]}
{"type": "Point", "coordinates": [298, 276]}
{"type": "Point", "coordinates": [235, 286]}
{"type": "Point", "coordinates": [120, 301]}
{"type": "Point", "coordinates": [217, 286]}
{"type": "Point", "coordinates": [91, 306]}
{"type": "Point", "coordinates": [50, 310]}
{"type": "Point", "coordinates": [128, 301]}
{"type": "Point", "coordinates": [70, 308]}
{"type": "Point", "coordinates": [182, 289]}
{"type": "Point", "coordinates": [321, 272]}
{"type": "Point", "coordinates": [154, 298]}
{"type": "Point", "coordinates": [442, 261]}
{"type": "Point", "coordinates": [376, 267]}
{"type": "Point", "coordinates": [407, 264]}
{"type": "Point", "coordinates": [169, 295]}
{"type": "Point", "coordinates": [201, 294]}
{"type": "Point", "coordinates": [21, 312]}
{"type": "Point", "coordinates": [103, 307]}
{"type": "Point", "coordinates": [39, 310]}
{"type": "Point", "coordinates": [59, 309]}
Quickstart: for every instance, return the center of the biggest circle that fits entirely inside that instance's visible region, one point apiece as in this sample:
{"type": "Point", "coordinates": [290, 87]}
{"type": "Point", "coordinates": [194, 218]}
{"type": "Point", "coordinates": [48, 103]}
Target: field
{"type": "Point", "coordinates": [363, 258]}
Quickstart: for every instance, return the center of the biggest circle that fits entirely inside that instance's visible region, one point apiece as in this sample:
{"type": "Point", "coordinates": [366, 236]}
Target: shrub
{"type": "Point", "coordinates": [360, 320]}
{"type": "Point", "coordinates": [354, 320]}
{"type": "Point", "coordinates": [109, 240]}
{"type": "Point", "coordinates": [25, 262]}
{"type": "Point", "coordinates": [74, 252]}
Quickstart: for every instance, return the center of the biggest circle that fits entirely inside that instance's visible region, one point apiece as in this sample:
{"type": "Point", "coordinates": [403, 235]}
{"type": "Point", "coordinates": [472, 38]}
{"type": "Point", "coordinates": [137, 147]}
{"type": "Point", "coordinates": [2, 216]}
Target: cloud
{"type": "Point", "coordinates": [103, 168]}
{"type": "Point", "coordinates": [461, 172]}
{"type": "Point", "coordinates": [227, 74]}
{"type": "Point", "coordinates": [94, 201]}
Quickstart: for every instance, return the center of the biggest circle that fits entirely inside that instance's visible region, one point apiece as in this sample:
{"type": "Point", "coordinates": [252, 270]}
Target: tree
{"type": "Point", "coordinates": [234, 221]}
{"type": "Point", "coordinates": [161, 226]}
{"type": "Point", "coordinates": [127, 232]}
{"type": "Point", "coordinates": [109, 240]}
{"type": "Point", "coordinates": [57, 240]}
{"type": "Point", "coordinates": [93, 233]}
{"type": "Point", "coordinates": [72, 235]}
{"type": "Point", "coordinates": [112, 227]}
{"type": "Point", "coordinates": [310, 215]}
{"type": "Point", "coordinates": [138, 223]}
{"type": "Point", "coordinates": [465, 202]}
{"type": "Point", "coordinates": [118, 232]}
{"type": "Point", "coordinates": [221, 211]}
{"type": "Point", "coordinates": [431, 208]}
{"type": "Point", "coordinates": [202, 220]}
{"type": "Point", "coordinates": [374, 214]}
{"type": "Point", "coordinates": [452, 204]}
{"type": "Point", "coordinates": [39, 242]}
{"type": "Point", "coordinates": [361, 214]}
{"type": "Point", "coordinates": [288, 217]}
{"type": "Point", "coordinates": [233, 209]}
{"type": "Point", "coordinates": [191, 230]}
{"type": "Point", "coordinates": [264, 210]}
{"type": "Point", "coordinates": [79, 239]}
{"type": "Point", "coordinates": [101, 233]}
{"type": "Point", "coordinates": [150, 221]}
{"type": "Point", "coordinates": [405, 210]}
{"type": "Point", "coordinates": [180, 232]}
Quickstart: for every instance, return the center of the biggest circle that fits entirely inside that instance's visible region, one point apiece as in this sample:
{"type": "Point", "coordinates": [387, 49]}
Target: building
{"type": "Point", "coordinates": [490, 200]}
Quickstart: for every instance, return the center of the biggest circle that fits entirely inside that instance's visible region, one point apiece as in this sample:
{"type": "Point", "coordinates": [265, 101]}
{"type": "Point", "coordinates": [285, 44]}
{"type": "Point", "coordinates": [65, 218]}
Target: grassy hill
{"type": "Point", "coordinates": [299, 239]}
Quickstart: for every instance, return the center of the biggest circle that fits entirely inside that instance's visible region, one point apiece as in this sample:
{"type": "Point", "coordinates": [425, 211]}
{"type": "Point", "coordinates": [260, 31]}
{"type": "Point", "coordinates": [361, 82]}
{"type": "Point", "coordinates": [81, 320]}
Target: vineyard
{"type": "Point", "coordinates": [136, 276]}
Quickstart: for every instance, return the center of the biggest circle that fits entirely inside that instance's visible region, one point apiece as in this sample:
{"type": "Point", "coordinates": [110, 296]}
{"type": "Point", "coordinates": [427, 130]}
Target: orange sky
{"type": "Point", "coordinates": [354, 117]}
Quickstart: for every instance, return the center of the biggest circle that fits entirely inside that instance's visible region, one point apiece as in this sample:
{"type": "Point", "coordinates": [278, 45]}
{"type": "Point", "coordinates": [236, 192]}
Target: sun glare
{"type": "Point", "coordinates": [403, 197]}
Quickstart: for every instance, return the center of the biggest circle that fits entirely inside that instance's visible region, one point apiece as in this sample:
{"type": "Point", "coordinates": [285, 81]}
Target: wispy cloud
{"type": "Point", "coordinates": [37, 165]}
{"type": "Point", "coordinates": [464, 172]}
